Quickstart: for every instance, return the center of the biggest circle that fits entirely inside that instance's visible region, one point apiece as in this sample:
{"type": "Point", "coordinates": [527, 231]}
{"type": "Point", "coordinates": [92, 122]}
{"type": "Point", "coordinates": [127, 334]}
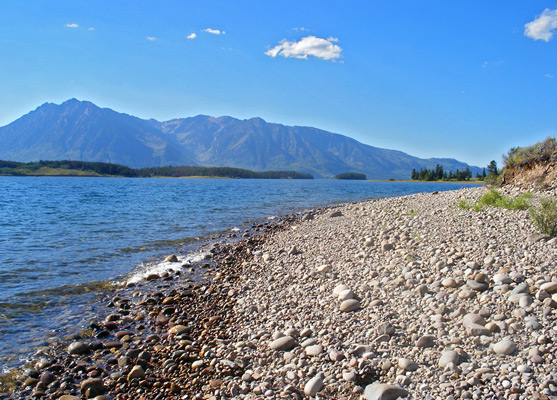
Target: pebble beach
{"type": "Point", "coordinates": [409, 297]}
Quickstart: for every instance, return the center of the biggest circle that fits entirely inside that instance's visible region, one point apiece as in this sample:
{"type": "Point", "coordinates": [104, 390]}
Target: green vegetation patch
{"type": "Point", "coordinates": [495, 199]}
{"type": "Point", "coordinates": [67, 167]}
{"type": "Point", "coordinates": [439, 174]}
{"type": "Point", "coordinates": [545, 216]}
{"type": "Point", "coordinates": [540, 151]}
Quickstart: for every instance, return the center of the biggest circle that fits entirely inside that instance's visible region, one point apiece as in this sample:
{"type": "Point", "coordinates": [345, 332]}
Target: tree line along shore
{"type": "Point", "coordinates": [86, 168]}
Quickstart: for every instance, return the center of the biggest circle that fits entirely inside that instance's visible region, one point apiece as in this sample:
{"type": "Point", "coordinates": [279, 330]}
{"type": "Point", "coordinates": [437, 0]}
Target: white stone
{"type": "Point", "coordinates": [346, 295]}
{"type": "Point", "coordinates": [504, 347]}
{"type": "Point", "coordinates": [349, 305]}
{"type": "Point", "coordinates": [314, 385]}
{"type": "Point", "coordinates": [472, 318]}
{"type": "Point", "coordinates": [549, 287]}
{"type": "Point", "coordinates": [407, 365]}
{"type": "Point", "coordinates": [284, 343]}
{"type": "Point", "coordinates": [381, 391]}
{"type": "Point", "coordinates": [450, 356]}
{"type": "Point", "coordinates": [314, 350]}
{"type": "Point", "coordinates": [338, 289]}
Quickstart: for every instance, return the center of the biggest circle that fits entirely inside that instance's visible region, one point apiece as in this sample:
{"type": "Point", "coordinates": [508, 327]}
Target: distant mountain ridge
{"type": "Point", "coordinates": [79, 130]}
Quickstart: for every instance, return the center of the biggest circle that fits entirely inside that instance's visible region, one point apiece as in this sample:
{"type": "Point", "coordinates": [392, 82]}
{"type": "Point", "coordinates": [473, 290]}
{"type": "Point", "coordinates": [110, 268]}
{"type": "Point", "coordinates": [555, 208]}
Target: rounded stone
{"type": "Point", "coordinates": [537, 359]}
{"type": "Point", "coordinates": [136, 372]}
{"type": "Point", "coordinates": [504, 347]}
{"type": "Point", "coordinates": [549, 287]}
{"type": "Point", "coordinates": [285, 343]}
{"type": "Point", "coordinates": [447, 357]}
{"type": "Point", "coordinates": [346, 295]}
{"type": "Point", "coordinates": [314, 350]}
{"type": "Point", "coordinates": [338, 289]}
{"type": "Point", "coordinates": [349, 376]}
{"type": "Point", "coordinates": [448, 283]}
{"type": "Point", "coordinates": [525, 301]}
{"type": "Point", "coordinates": [78, 348]}
{"type": "Point", "coordinates": [478, 330]}
{"type": "Point", "coordinates": [426, 341]}
{"type": "Point", "coordinates": [178, 330]}
{"type": "Point", "coordinates": [92, 386]}
{"type": "Point", "coordinates": [407, 365]}
{"type": "Point", "coordinates": [349, 305]}
{"type": "Point", "coordinates": [521, 288]}
{"type": "Point", "coordinates": [171, 258]}
{"type": "Point", "coordinates": [314, 385]}
{"type": "Point", "coordinates": [502, 279]}
{"type": "Point", "coordinates": [472, 318]}
{"type": "Point", "coordinates": [336, 355]}
{"type": "Point", "coordinates": [381, 391]}
{"type": "Point", "coordinates": [478, 286]}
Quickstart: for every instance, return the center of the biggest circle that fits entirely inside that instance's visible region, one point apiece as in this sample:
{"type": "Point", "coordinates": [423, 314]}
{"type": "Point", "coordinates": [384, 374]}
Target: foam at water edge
{"type": "Point", "coordinates": [143, 271]}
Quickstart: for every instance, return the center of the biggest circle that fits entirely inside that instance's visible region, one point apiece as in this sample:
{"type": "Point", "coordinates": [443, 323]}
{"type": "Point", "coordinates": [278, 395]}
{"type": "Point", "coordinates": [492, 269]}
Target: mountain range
{"type": "Point", "coordinates": [79, 130]}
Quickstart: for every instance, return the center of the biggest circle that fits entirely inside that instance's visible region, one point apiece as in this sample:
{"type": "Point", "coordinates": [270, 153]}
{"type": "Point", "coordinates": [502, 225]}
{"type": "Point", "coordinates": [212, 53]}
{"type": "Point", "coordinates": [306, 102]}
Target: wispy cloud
{"type": "Point", "coordinates": [72, 25]}
{"type": "Point", "coordinates": [214, 31]}
{"type": "Point", "coordinates": [191, 36]}
{"type": "Point", "coordinates": [91, 29]}
{"type": "Point", "coordinates": [549, 76]}
{"type": "Point", "coordinates": [301, 29]}
{"type": "Point", "coordinates": [492, 63]}
{"type": "Point", "coordinates": [151, 38]}
{"type": "Point", "coordinates": [543, 26]}
{"type": "Point", "coordinates": [325, 49]}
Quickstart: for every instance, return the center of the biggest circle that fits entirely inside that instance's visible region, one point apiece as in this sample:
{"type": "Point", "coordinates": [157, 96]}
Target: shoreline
{"type": "Point", "coordinates": [441, 181]}
{"type": "Point", "coordinates": [193, 277]}
{"type": "Point", "coordinates": [268, 322]}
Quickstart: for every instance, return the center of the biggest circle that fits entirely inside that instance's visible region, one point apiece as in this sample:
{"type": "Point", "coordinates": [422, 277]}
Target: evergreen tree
{"type": "Point", "coordinates": [492, 168]}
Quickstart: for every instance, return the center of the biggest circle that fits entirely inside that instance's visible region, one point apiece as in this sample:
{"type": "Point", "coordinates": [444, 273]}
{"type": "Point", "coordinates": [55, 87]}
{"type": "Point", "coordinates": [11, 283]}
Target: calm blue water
{"type": "Point", "coordinates": [58, 236]}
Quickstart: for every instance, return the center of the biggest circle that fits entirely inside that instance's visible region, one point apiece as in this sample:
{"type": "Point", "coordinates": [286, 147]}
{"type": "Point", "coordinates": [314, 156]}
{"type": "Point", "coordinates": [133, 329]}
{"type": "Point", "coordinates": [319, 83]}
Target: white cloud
{"type": "Point", "coordinates": [72, 25]}
{"type": "Point", "coordinates": [191, 36]}
{"type": "Point", "coordinates": [541, 28]}
{"type": "Point", "coordinates": [492, 63]}
{"type": "Point", "coordinates": [214, 31]}
{"type": "Point", "coordinates": [91, 29]}
{"type": "Point", "coordinates": [549, 76]}
{"type": "Point", "coordinates": [301, 29]}
{"type": "Point", "coordinates": [324, 49]}
{"type": "Point", "coordinates": [151, 38]}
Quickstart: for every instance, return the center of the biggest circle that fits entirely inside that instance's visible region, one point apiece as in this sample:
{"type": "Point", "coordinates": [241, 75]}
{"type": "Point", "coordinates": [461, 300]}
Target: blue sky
{"type": "Point", "coordinates": [461, 79]}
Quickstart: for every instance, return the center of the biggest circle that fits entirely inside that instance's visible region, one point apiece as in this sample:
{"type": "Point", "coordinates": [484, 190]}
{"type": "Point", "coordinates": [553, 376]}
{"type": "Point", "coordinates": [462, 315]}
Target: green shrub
{"type": "Point", "coordinates": [523, 155]}
{"type": "Point", "coordinates": [545, 216]}
{"type": "Point", "coordinates": [495, 199]}
{"type": "Point", "coordinates": [491, 179]}
{"type": "Point", "coordinates": [464, 205]}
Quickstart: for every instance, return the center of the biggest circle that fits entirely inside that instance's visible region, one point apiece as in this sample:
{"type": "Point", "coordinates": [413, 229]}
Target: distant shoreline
{"type": "Point", "coordinates": [412, 181]}
{"type": "Point", "coordinates": [225, 177]}
{"type": "Point", "coordinates": [101, 169]}
{"type": "Point", "coordinates": [119, 176]}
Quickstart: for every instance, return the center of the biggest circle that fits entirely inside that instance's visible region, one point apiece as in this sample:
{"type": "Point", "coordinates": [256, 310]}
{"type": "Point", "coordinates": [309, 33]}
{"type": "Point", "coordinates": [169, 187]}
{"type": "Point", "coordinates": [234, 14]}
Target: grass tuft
{"type": "Point", "coordinates": [495, 199]}
{"type": "Point", "coordinates": [545, 216]}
